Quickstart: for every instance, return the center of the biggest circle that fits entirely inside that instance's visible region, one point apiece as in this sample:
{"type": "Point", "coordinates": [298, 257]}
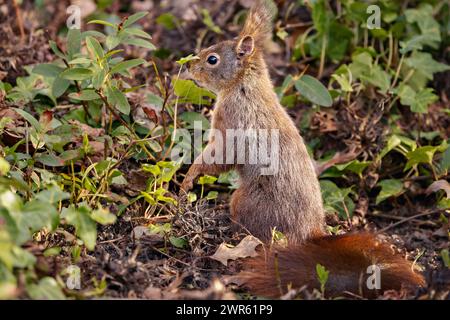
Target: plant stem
{"type": "Point", "coordinates": [123, 122]}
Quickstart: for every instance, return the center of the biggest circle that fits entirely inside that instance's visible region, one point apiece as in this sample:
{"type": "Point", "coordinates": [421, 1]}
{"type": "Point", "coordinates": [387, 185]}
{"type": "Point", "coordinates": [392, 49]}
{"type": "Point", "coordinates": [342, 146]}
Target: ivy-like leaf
{"type": "Point", "coordinates": [389, 188]}
{"type": "Point", "coordinates": [418, 101]}
{"type": "Point", "coordinates": [424, 62]}
{"type": "Point", "coordinates": [420, 155]}
{"type": "Point", "coordinates": [85, 226]}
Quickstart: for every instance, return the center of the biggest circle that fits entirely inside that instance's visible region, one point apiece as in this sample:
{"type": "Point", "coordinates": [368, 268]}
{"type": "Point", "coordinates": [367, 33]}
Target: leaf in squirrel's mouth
{"type": "Point", "coordinates": [187, 75]}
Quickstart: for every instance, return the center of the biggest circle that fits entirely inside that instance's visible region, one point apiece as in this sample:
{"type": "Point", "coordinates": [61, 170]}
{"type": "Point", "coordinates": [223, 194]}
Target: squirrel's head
{"type": "Point", "coordinates": [222, 65]}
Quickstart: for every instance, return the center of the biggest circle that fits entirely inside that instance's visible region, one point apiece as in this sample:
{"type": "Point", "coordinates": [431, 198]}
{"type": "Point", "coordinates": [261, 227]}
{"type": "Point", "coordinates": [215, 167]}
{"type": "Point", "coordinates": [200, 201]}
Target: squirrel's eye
{"type": "Point", "coordinates": [212, 60]}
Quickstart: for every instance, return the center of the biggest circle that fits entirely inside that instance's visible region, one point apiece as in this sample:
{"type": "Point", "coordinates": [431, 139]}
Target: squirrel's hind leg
{"type": "Point", "coordinates": [245, 215]}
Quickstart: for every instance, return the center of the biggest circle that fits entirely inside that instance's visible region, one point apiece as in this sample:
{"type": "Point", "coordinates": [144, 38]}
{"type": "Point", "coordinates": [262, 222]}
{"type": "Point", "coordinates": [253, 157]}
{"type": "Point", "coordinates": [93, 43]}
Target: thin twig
{"type": "Point", "coordinates": [19, 21]}
{"type": "Point", "coordinates": [409, 218]}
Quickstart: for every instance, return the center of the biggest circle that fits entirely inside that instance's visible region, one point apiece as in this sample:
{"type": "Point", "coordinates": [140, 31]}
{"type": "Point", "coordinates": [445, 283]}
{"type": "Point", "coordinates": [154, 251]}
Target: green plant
{"type": "Point", "coordinates": [322, 276]}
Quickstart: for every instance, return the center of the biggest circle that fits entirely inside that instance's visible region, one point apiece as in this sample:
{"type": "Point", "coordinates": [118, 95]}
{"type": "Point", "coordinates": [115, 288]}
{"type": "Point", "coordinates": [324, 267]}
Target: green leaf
{"type": "Point", "coordinates": [343, 81]}
{"type": "Point", "coordinates": [23, 258]}
{"type": "Point", "coordinates": [418, 101]}
{"type": "Point", "coordinates": [76, 74]}
{"type": "Point", "coordinates": [424, 63]}
{"type": "Point", "coordinates": [178, 242]}
{"type": "Point", "coordinates": [208, 21]}
{"type": "Point", "coordinates": [53, 251]}
{"type": "Point", "coordinates": [389, 188]}
{"type": "Point", "coordinates": [50, 160]}
{"type": "Point", "coordinates": [39, 214]}
{"type": "Point", "coordinates": [392, 142]}
{"type": "Point", "coordinates": [168, 170]}
{"type": "Point", "coordinates": [207, 180]}
{"type": "Point", "coordinates": [52, 195]}
{"type": "Point", "coordinates": [56, 50]}
{"type": "Point", "coordinates": [445, 161]}
{"type": "Point", "coordinates": [322, 276]}
{"type": "Point", "coordinates": [47, 70]}
{"type": "Point", "coordinates": [92, 33]}
{"type": "Point", "coordinates": [337, 199]}
{"type": "Point", "coordinates": [103, 22]}
{"type": "Point", "coordinates": [187, 59]}
{"type": "Point", "coordinates": [133, 18]}
{"type": "Point", "coordinates": [152, 168]}
{"type": "Point", "coordinates": [190, 117]}
{"type": "Point", "coordinates": [192, 197]}
{"type": "Point", "coordinates": [103, 216]}
{"type": "Point", "coordinates": [73, 42]}
{"type": "Point", "coordinates": [445, 257]}
{"type": "Point", "coordinates": [378, 77]}
{"type": "Point", "coordinates": [118, 99]}
{"type": "Point", "coordinates": [94, 47]}
{"type": "Point", "coordinates": [422, 100]}
{"type": "Point", "coordinates": [46, 289]}
{"type": "Point", "coordinates": [85, 226]}
{"type": "Point", "coordinates": [4, 166]}
{"type": "Point", "coordinates": [313, 90]}
{"type": "Point", "coordinates": [148, 197]}
{"type": "Point", "coordinates": [140, 43]}
{"type": "Point", "coordinates": [125, 65]}
{"type": "Point", "coordinates": [420, 155]}
{"type": "Point", "coordinates": [112, 41]}
{"type": "Point", "coordinates": [99, 78]}
{"type": "Point", "coordinates": [167, 20]}
{"type": "Point", "coordinates": [321, 17]}
{"type": "Point", "coordinates": [59, 86]}
{"type": "Point", "coordinates": [430, 34]}
{"type": "Point", "coordinates": [137, 32]}
{"type": "Point", "coordinates": [355, 166]}
{"type": "Point", "coordinates": [212, 195]}
{"type": "Point", "coordinates": [189, 92]}
{"type": "Point", "coordinates": [110, 53]}
{"type": "Point", "coordinates": [34, 123]}
{"type": "Point", "coordinates": [85, 95]}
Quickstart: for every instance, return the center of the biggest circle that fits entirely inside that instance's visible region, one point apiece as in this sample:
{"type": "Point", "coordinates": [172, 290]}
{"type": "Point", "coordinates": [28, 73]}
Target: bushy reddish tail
{"type": "Point", "coordinates": [346, 258]}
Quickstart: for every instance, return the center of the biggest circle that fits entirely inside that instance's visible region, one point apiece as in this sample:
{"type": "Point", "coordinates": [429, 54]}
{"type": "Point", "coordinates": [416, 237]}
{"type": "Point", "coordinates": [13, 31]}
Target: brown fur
{"type": "Point", "coordinates": [290, 200]}
{"type": "Point", "coordinates": [345, 257]}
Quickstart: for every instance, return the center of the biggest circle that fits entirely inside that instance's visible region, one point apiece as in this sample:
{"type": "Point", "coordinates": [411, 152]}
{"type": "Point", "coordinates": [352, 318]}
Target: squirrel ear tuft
{"type": "Point", "coordinates": [245, 46]}
{"type": "Point", "coordinates": [259, 22]}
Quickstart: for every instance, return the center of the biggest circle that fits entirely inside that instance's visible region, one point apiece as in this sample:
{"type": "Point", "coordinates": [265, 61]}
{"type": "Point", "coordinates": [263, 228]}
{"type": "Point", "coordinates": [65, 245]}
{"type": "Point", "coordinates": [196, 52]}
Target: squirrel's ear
{"type": "Point", "coordinates": [259, 20]}
{"type": "Point", "coordinates": [245, 46]}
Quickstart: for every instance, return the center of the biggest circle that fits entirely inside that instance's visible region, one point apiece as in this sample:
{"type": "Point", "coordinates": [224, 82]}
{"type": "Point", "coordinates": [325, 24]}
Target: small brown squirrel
{"type": "Point", "coordinates": [289, 200]}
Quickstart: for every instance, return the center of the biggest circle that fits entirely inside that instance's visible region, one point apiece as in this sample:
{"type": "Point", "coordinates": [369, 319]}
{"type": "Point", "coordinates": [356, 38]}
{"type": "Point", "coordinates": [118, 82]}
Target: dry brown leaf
{"type": "Point", "coordinates": [439, 185]}
{"type": "Point", "coordinates": [338, 158]}
{"type": "Point", "coordinates": [246, 248]}
{"type": "Point", "coordinates": [90, 131]}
